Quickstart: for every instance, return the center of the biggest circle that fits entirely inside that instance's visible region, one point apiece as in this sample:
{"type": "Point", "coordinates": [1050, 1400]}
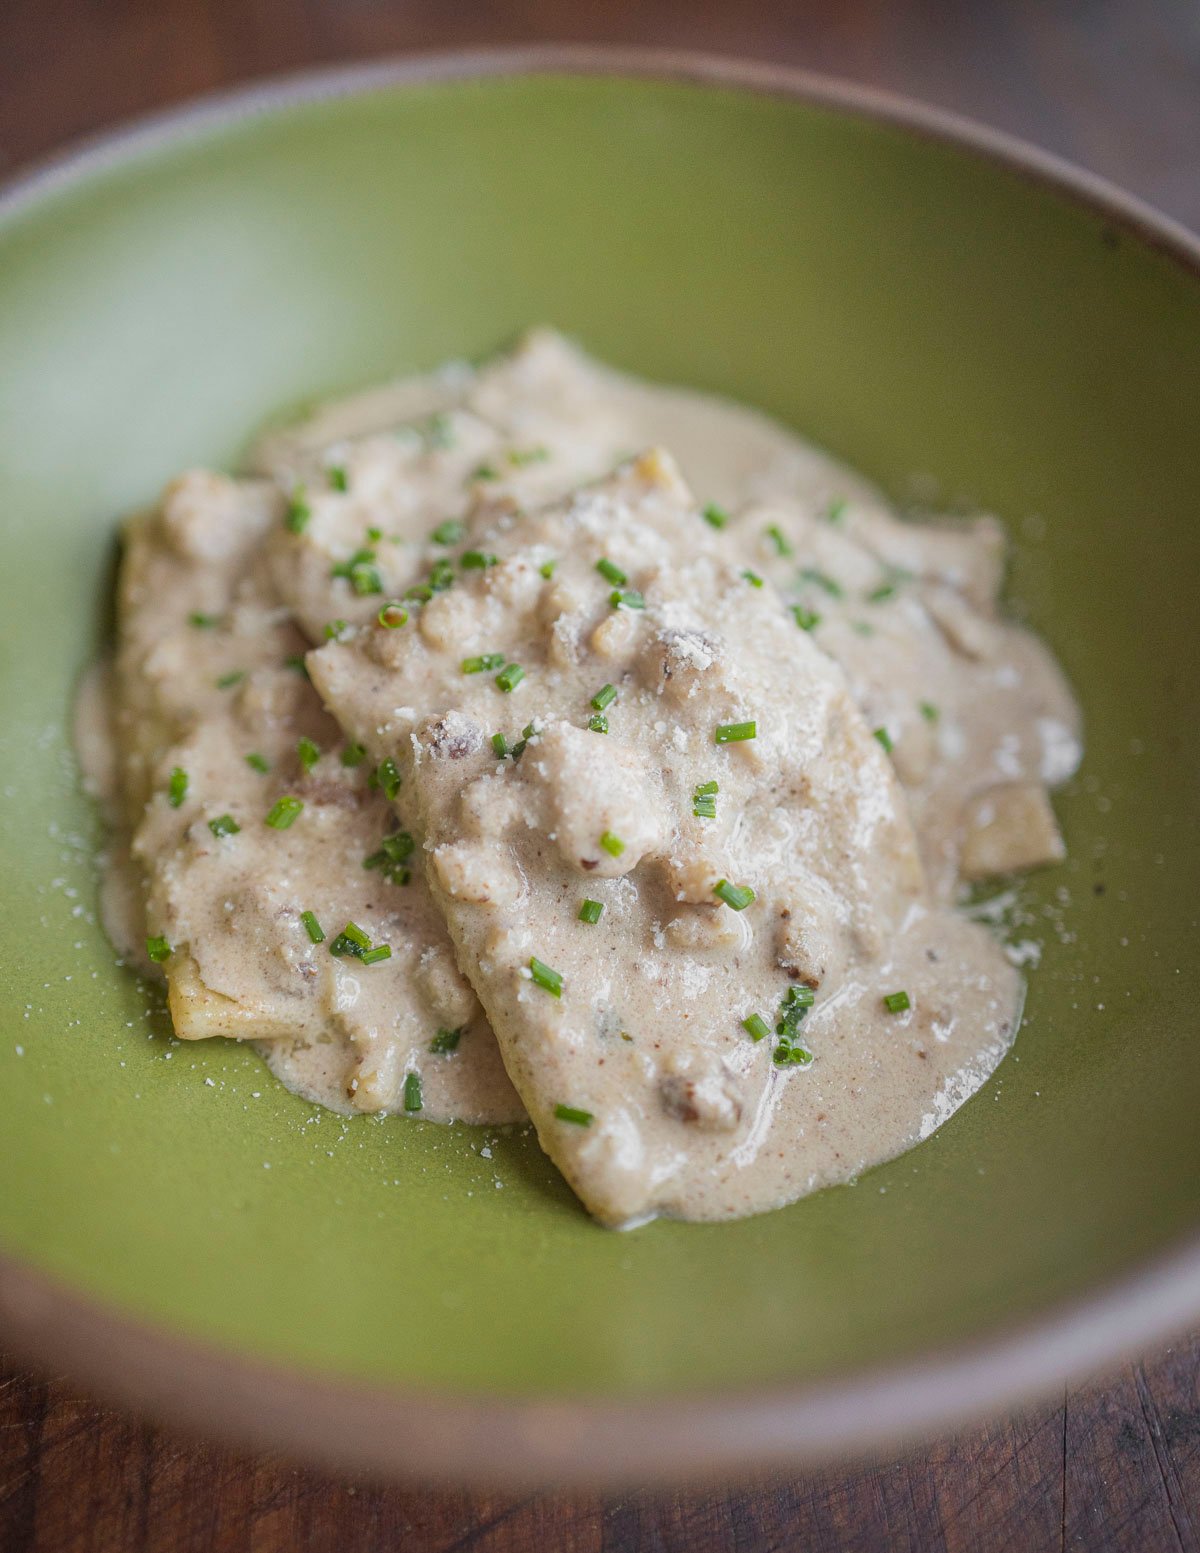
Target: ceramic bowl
{"type": "Point", "coordinates": [962, 318]}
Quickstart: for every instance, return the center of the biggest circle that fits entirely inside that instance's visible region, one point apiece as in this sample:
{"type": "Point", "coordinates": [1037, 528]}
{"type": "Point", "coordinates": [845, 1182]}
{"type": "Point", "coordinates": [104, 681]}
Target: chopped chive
{"type": "Point", "coordinates": [736, 896]}
{"type": "Point", "coordinates": [449, 532]}
{"type": "Point", "coordinates": [387, 776]}
{"type": "Point", "coordinates": [756, 1027]}
{"type": "Point", "coordinates": [598, 723]}
{"type": "Point", "coordinates": [350, 941]}
{"type": "Point", "coordinates": [715, 516]}
{"type": "Point", "coordinates": [779, 539]}
{"type": "Point", "coordinates": [353, 755]}
{"type": "Point", "coordinates": [549, 980]}
{"type": "Point", "coordinates": [897, 1002]}
{"type": "Point", "coordinates": [392, 857]}
{"type": "Point", "coordinates": [360, 572]}
{"type": "Point", "coordinates": [374, 956]}
{"type": "Point", "coordinates": [820, 579]}
{"type": "Point", "coordinates": [885, 590]}
{"type": "Point", "coordinates": [419, 593]}
{"type": "Point", "coordinates": [630, 597]}
{"type": "Point", "coordinates": [339, 480]}
{"type": "Point", "coordinates": [591, 911]}
{"type": "Point", "coordinates": [547, 569]}
{"type": "Point", "coordinates": [836, 510]}
{"type": "Point", "coordinates": [441, 575]}
{"type": "Point", "coordinates": [752, 578]}
{"type": "Point", "coordinates": [296, 662]}
{"type": "Point", "coordinates": [392, 615]}
{"type": "Point", "coordinates": [203, 622]}
{"type": "Point", "coordinates": [374, 535]}
{"type": "Point", "coordinates": [484, 472]}
{"type": "Point", "coordinates": [335, 630]}
{"type": "Point", "coordinates": [283, 812]}
{"type": "Point", "coordinates": [799, 997]}
{"type": "Point", "coordinates": [789, 1055]}
{"type": "Point", "coordinates": [605, 696]}
{"type": "Point", "coordinates": [316, 933]}
{"type": "Point", "coordinates": [157, 948]}
{"type": "Point", "coordinates": [235, 677]}
{"type": "Point", "coordinates": [734, 733]}
{"type": "Point", "coordinates": [177, 787]}
{"type": "Point", "coordinates": [572, 1113]}
{"type": "Point", "coordinates": [298, 512]}
{"type": "Point", "coordinates": [484, 663]}
{"type": "Point", "coordinates": [309, 752]}
{"type": "Point", "coordinates": [519, 459]}
{"type": "Point", "coordinates": [704, 801]}
{"type": "Point", "coordinates": [806, 619]}
{"type": "Point", "coordinates": [613, 845]}
{"type": "Point", "coordinates": [412, 1092]}
{"type": "Point", "coordinates": [446, 1041]}
{"type": "Point", "coordinates": [224, 825]}
{"type": "Point", "coordinates": [477, 560]}
{"type": "Point", "coordinates": [500, 745]}
{"type": "Point", "coordinates": [884, 738]}
{"type": "Point", "coordinates": [509, 678]}
{"type": "Point", "coordinates": [929, 712]}
{"type": "Point", "coordinates": [611, 572]}
{"type": "Point", "coordinates": [258, 762]}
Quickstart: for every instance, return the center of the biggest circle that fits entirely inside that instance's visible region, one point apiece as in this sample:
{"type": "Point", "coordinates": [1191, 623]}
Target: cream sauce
{"type": "Point", "coordinates": [977, 715]}
{"type": "Point", "coordinates": [631, 1053]}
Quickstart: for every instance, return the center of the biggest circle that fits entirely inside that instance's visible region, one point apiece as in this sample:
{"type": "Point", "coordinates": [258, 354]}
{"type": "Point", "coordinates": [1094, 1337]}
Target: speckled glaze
{"type": "Point", "coordinates": [955, 325]}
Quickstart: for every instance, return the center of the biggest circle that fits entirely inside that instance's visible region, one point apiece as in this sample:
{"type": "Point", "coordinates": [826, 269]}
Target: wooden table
{"type": "Point", "coordinates": [1111, 84]}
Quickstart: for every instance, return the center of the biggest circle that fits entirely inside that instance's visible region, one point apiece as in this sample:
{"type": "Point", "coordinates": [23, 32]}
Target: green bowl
{"type": "Point", "coordinates": [957, 316]}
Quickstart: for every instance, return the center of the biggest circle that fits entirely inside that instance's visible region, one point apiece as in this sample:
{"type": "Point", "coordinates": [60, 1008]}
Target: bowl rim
{"type": "Point", "coordinates": [484, 1439]}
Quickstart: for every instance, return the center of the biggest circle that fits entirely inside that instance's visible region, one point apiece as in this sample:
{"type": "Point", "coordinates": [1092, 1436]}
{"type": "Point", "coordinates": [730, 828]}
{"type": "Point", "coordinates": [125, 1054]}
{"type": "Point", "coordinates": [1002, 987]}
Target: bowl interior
{"type": "Point", "coordinates": [951, 327]}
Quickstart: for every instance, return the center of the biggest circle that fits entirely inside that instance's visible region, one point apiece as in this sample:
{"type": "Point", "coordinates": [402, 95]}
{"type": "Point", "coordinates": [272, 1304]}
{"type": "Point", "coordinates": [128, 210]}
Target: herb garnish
{"type": "Point", "coordinates": [572, 1113]}
{"type": "Point", "coordinates": [283, 812]}
{"type": "Point", "coordinates": [484, 663]}
{"type": "Point", "coordinates": [736, 896]}
{"type": "Point", "coordinates": [509, 678]}
{"type": "Point", "coordinates": [549, 980]}
{"type": "Point", "coordinates": [897, 1002]}
{"type": "Point", "coordinates": [704, 801]}
{"type": "Point", "coordinates": [591, 911]}
{"type": "Point", "coordinates": [735, 733]}
{"type": "Point", "coordinates": [157, 948]}
{"type": "Point", "coordinates": [177, 787]}
{"type": "Point", "coordinates": [312, 927]}
{"type": "Point", "coordinates": [224, 825]}
{"type": "Point", "coordinates": [298, 512]}
{"type": "Point", "coordinates": [611, 572]}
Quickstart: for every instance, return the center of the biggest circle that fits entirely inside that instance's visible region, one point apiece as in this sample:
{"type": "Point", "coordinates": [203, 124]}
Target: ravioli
{"type": "Point", "coordinates": [609, 719]}
{"type": "Point", "coordinates": [244, 815]}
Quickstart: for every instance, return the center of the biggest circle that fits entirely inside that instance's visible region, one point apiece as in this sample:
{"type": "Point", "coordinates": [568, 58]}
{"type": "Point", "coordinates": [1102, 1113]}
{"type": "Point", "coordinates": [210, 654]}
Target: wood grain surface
{"type": "Point", "coordinates": [1112, 84]}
